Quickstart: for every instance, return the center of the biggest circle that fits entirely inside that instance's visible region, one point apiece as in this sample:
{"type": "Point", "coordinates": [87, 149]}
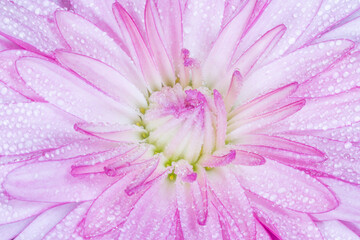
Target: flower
{"type": "Point", "coordinates": [179, 119]}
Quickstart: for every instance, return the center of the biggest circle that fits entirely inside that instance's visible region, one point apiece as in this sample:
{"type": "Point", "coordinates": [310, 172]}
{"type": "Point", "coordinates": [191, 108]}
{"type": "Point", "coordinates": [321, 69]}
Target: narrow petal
{"type": "Point", "coordinates": [313, 59]}
{"type": "Point", "coordinates": [262, 46]}
{"type": "Point", "coordinates": [224, 46]}
{"type": "Point", "coordinates": [112, 132]}
{"type": "Point", "coordinates": [36, 182]}
{"type": "Point", "coordinates": [104, 77]}
{"type": "Point", "coordinates": [236, 130]}
{"type": "Point", "coordinates": [29, 30]}
{"type": "Point", "coordinates": [230, 200]}
{"type": "Point", "coordinates": [11, 230]}
{"type": "Point", "coordinates": [116, 208]}
{"type": "Point", "coordinates": [234, 90]}
{"type": "Point", "coordinates": [286, 187]}
{"type": "Point", "coordinates": [31, 127]}
{"type": "Point", "coordinates": [160, 55]}
{"type": "Point", "coordinates": [348, 209]}
{"type": "Point", "coordinates": [282, 150]}
{"type": "Point", "coordinates": [149, 70]}
{"type": "Point", "coordinates": [284, 223]}
{"type": "Point", "coordinates": [144, 222]}
{"type": "Point", "coordinates": [45, 222]}
{"type": "Point", "coordinates": [221, 121]}
{"type": "Point", "coordinates": [63, 89]}
{"type": "Point", "coordinates": [87, 39]}
{"type": "Point", "coordinates": [332, 230]}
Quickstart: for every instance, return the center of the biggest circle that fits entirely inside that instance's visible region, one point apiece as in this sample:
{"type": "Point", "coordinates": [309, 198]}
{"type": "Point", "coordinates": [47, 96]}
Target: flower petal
{"type": "Point", "coordinates": [11, 230]}
{"type": "Point", "coordinates": [312, 60]}
{"type": "Point", "coordinates": [148, 67]}
{"type": "Point", "coordinates": [332, 230]}
{"type": "Point", "coordinates": [284, 223]}
{"type": "Point", "coordinates": [223, 48]}
{"type": "Point", "coordinates": [70, 93]}
{"type": "Point", "coordinates": [230, 200]}
{"type": "Point", "coordinates": [104, 77]}
{"type": "Point", "coordinates": [28, 30]}
{"type": "Point", "coordinates": [30, 127]}
{"type": "Point", "coordinates": [36, 182]}
{"type": "Point", "coordinates": [87, 39]}
{"type": "Point", "coordinates": [45, 222]}
{"type": "Point", "coordinates": [286, 187]}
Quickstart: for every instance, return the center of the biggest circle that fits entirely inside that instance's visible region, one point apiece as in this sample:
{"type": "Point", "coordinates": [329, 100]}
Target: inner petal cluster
{"type": "Point", "coordinates": [181, 123]}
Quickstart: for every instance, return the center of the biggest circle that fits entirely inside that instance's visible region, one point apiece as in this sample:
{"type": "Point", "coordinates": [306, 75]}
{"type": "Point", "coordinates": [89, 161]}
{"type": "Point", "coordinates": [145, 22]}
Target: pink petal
{"type": "Point", "coordinates": [221, 120]}
{"type": "Point", "coordinates": [336, 111]}
{"type": "Point", "coordinates": [159, 53]}
{"type": "Point", "coordinates": [10, 76]}
{"type": "Point", "coordinates": [7, 44]}
{"type": "Point", "coordinates": [63, 89]}
{"type": "Point", "coordinates": [112, 132]}
{"type": "Point", "coordinates": [42, 7]}
{"type": "Point", "coordinates": [115, 208]}
{"type": "Point", "coordinates": [248, 158]}
{"type": "Point", "coordinates": [144, 222]}
{"type": "Point", "coordinates": [286, 187]}
{"type": "Point", "coordinates": [312, 60]}
{"type": "Point", "coordinates": [105, 78]}
{"type": "Point", "coordinates": [330, 14]}
{"type": "Point", "coordinates": [234, 90]}
{"type": "Point", "coordinates": [66, 228]}
{"type": "Point", "coordinates": [285, 224]}
{"type": "Point", "coordinates": [282, 150]}
{"type": "Point", "coordinates": [342, 77]}
{"type": "Point", "coordinates": [223, 48]}
{"type": "Point", "coordinates": [261, 104]}
{"type": "Point", "coordinates": [9, 96]}
{"type": "Point", "coordinates": [348, 31]}
{"type": "Point", "coordinates": [259, 49]}
{"type": "Point", "coordinates": [172, 29]}
{"type": "Point", "coordinates": [45, 222]}
{"type": "Point", "coordinates": [295, 16]}
{"type": "Point", "coordinates": [33, 32]}
{"type": "Point", "coordinates": [148, 67]}
{"type": "Point", "coordinates": [87, 39]}
{"type": "Point", "coordinates": [261, 233]}
{"type": "Point", "coordinates": [341, 158]}
{"type": "Point", "coordinates": [36, 182]}
{"type": "Point", "coordinates": [11, 230]}
{"type": "Point", "coordinates": [238, 129]}
{"type": "Point", "coordinates": [30, 127]}
{"type": "Point", "coordinates": [188, 216]}
{"type": "Point", "coordinates": [333, 230]}
{"type": "Point", "coordinates": [201, 25]}
{"type": "Point", "coordinates": [232, 204]}
{"type": "Point", "coordinates": [347, 194]}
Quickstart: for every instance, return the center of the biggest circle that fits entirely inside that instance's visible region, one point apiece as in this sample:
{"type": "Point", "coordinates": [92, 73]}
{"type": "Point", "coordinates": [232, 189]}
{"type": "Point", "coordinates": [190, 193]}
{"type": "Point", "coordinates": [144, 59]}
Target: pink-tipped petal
{"type": "Point", "coordinates": [232, 204]}
{"type": "Point", "coordinates": [282, 150]}
{"type": "Point", "coordinates": [112, 132]}
{"type": "Point", "coordinates": [33, 32]}
{"type": "Point", "coordinates": [333, 230]}
{"type": "Point", "coordinates": [45, 222]}
{"type": "Point", "coordinates": [116, 208]}
{"type": "Point", "coordinates": [70, 93]}
{"type": "Point", "coordinates": [221, 121]}
{"type": "Point", "coordinates": [159, 52]}
{"type": "Point", "coordinates": [238, 129]}
{"type": "Point", "coordinates": [259, 49]}
{"type": "Point", "coordinates": [286, 187]}
{"type": "Point", "coordinates": [105, 78]}
{"type": "Point", "coordinates": [87, 39]}
{"type": "Point", "coordinates": [280, 220]}
{"type": "Point", "coordinates": [248, 158]}
{"type": "Point", "coordinates": [148, 67]}
{"type": "Point", "coordinates": [234, 90]}
{"type": "Point", "coordinates": [38, 126]}
{"type": "Point", "coordinates": [36, 182]}
{"type": "Point", "coordinates": [281, 71]}
{"type": "Point", "coordinates": [223, 48]}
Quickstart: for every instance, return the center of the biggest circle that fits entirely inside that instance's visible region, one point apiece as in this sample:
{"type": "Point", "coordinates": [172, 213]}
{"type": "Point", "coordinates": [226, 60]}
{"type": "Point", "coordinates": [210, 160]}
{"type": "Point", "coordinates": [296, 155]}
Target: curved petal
{"type": "Point", "coordinates": [287, 187]}
{"type": "Point", "coordinates": [63, 89]}
{"type": "Point", "coordinates": [36, 182]}
{"type": "Point", "coordinates": [333, 230]}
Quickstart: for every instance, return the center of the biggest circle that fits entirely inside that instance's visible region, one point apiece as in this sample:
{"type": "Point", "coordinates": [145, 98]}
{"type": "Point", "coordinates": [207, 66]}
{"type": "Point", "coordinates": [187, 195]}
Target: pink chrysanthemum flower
{"type": "Point", "coordinates": [179, 119]}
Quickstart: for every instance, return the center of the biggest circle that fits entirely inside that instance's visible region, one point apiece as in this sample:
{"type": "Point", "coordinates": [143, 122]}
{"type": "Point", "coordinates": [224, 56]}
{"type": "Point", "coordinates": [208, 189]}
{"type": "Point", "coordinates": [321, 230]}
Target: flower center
{"type": "Point", "coordinates": [181, 124]}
